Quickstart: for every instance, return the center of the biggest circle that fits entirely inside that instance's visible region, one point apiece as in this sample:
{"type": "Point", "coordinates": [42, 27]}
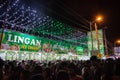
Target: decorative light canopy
{"type": "Point", "coordinates": [27, 20]}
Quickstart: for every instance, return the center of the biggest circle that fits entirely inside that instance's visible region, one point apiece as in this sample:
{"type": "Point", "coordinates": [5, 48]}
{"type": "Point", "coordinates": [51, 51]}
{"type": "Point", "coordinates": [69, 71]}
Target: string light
{"type": "Point", "coordinates": [27, 19]}
{"type": "Point", "coordinates": [3, 4]}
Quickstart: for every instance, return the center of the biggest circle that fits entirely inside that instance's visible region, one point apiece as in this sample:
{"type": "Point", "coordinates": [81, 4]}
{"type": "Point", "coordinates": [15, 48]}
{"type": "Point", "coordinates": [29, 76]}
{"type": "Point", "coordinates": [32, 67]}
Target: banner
{"type": "Point", "coordinates": [20, 42]}
{"type": "Point", "coordinates": [13, 40]}
{"type": "Point", "coordinates": [95, 41]}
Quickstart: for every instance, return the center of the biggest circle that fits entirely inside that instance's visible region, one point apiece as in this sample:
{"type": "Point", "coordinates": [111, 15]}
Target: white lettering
{"type": "Point", "coordinates": [20, 39]}
{"type": "Point", "coordinates": [32, 42]}
{"type": "Point", "coordinates": [38, 43]}
{"type": "Point", "coordinates": [27, 40]}
{"type": "Point", "coordinates": [15, 38]}
{"type": "Point", "coordinates": [23, 40]}
{"type": "Point", "coordinates": [10, 38]}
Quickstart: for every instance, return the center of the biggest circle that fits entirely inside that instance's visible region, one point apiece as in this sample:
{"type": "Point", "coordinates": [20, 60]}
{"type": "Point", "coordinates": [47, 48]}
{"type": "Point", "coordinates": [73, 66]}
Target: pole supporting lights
{"type": "Point", "coordinates": [91, 34]}
{"type": "Point", "coordinates": [98, 19]}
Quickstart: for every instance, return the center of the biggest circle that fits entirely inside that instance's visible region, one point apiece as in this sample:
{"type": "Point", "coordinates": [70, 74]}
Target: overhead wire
{"type": "Point", "coordinates": [59, 15]}
{"type": "Point", "coordinates": [70, 11]}
{"type": "Point", "coordinates": [109, 44]}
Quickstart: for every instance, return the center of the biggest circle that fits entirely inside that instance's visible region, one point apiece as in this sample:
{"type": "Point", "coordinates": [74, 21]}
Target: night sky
{"type": "Point", "coordinates": [75, 12]}
{"type": "Point", "coordinates": [110, 9]}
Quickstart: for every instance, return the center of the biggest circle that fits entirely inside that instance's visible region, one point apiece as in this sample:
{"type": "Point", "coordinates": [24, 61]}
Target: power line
{"type": "Point", "coordinates": [58, 14]}
{"type": "Point", "coordinates": [71, 13]}
{"type": "Point", "coordinates": [85, 21]}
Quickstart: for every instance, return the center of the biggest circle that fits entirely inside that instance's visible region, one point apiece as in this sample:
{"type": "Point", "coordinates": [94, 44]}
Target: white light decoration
{"type": "Point", "coordinates": [3, 14]}
{"type": "Point", "coordinates": [18, 16]}
{"type": "Point", "coordinates": [3, 4]}
{"type": "Point", "coordinates": [9, 7]}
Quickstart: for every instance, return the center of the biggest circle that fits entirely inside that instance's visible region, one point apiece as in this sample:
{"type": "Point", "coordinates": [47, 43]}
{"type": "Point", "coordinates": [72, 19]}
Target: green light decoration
{"type": "Point", "coordinates": [79, 50]}
{"type": "Point", "coordinates": [56, 29]}
{"type": "Point", "coordinates": [65, 34]}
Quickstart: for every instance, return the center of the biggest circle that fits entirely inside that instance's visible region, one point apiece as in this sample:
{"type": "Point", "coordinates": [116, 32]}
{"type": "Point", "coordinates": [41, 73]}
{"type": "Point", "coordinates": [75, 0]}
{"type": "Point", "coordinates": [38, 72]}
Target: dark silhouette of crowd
{"type": "Point", "coordinates": [93, 69]}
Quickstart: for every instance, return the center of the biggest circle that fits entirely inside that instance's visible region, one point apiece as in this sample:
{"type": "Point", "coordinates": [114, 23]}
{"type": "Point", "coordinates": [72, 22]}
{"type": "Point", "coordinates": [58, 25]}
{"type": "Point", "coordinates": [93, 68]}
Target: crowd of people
{"type": "Point", "coordinates": [93, 69]}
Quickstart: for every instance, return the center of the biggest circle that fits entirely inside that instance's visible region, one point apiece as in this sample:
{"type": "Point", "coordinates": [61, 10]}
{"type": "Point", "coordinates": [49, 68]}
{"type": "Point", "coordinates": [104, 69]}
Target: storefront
{"type": "Point", "coordinates": [19, 46]}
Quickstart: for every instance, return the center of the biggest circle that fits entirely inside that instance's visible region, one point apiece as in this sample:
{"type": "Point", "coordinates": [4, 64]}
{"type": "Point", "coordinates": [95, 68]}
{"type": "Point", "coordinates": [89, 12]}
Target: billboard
{"type": "Point", "coordinates": [95, 43]}
{"type": "Point", "coordinates": [20, 42]}
{"type": "Point", "coordinates": [13, 40]}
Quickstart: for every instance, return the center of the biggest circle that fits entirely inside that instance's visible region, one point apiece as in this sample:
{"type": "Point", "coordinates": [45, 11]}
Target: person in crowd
{"type": "Point", "coordinates": [37, 77]}
{"type": "Point", "coordinates": [62, 75]}
{"type": "Point", "coordinates": [93, 69]}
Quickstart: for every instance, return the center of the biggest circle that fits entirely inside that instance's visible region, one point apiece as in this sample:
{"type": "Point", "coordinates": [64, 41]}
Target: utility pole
{"type": "Point", "coordinates": [105, 42]}
{"type": "Point", "coordinates": [97, 37]}
{"type": "Point", "coordinates": [3, 25]}
{"type": "Point", "coordinates": [2, 32]}
{"type": "Point", "coordinates": [91, 34]}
